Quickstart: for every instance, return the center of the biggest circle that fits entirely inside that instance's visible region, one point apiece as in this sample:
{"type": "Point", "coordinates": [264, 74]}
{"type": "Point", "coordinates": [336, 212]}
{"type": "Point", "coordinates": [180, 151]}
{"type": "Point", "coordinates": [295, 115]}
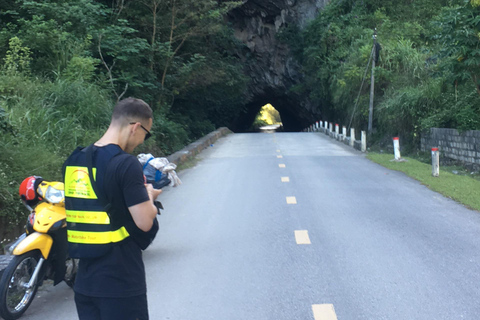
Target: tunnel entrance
{"type": "Point", "coordinates": [290, 112]}
{"type": "Point", "coordinates": [267, 120]}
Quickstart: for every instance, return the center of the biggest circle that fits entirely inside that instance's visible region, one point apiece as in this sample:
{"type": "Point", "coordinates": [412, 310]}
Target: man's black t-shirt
{"type": "Point", "coordinates": [121, 272]}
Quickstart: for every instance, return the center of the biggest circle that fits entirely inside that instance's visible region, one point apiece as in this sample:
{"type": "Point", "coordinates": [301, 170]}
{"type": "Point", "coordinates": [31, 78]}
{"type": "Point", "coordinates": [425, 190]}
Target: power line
{"type": "Point", "coordinates": [361, 87]}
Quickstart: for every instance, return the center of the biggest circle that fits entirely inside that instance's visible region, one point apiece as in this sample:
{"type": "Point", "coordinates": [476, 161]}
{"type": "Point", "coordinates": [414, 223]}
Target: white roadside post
{"type": "Point", "coordinates": [435, 162]}
{"type": "Point", "coordinates": [316, 126]}
{"type": "Point", "coordinates": [337, 131]}
{"type": "Point", "coordinates": [396, 148]}
{"type": "Point", "coordinates": [352, 137]}
{"type": "Point", "coordinates": [344, 133]}
{"type": "Point", "coordinates": [364, 141]}
{"type": "Point", "coordinates": [331, 127]}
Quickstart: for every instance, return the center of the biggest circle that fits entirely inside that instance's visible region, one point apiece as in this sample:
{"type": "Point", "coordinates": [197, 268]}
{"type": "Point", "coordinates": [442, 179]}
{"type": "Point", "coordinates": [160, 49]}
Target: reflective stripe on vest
{"type": "Point", "coordinates": [88, 237]}
{"type": "Point", "coordinates": [89, 217]}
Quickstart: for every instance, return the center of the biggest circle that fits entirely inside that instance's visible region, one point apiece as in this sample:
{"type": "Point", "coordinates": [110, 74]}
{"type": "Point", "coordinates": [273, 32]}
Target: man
{"type": "Point", "coordinates": [111, 218]}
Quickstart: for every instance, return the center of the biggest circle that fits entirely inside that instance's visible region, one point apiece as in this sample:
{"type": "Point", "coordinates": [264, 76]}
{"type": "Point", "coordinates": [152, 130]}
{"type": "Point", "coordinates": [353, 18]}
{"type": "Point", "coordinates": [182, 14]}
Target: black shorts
{"type": "Point", "coordinates": [94, 308]}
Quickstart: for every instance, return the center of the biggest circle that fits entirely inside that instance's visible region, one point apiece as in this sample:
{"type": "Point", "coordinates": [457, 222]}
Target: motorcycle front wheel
{"type": "Point", "coordinates": [15, 296]}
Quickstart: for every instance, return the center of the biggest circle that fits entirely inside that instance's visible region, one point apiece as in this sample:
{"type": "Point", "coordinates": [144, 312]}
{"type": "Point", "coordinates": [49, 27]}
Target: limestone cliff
{"type": "Point", "coordinates": [269, 64]}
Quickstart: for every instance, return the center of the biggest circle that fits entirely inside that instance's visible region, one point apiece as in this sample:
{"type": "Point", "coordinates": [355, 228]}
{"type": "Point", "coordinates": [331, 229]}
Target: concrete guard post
{"type": "Point", "coordinates": [435, 162]}
{"type": "Point", "coordinates": [344, 132]}
{"type": "Point", "coordinates": [364, 141]}
{"type": "Point", "coordinates": [396, 148]}
{"type": "Point", "coordinates": [352, 137]}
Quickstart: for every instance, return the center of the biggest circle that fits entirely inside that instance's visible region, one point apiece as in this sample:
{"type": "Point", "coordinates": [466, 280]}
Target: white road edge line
{"type": "Point", "coordinates": [324, 312]}
{"type": "Point", "coordinates": [301, 237]}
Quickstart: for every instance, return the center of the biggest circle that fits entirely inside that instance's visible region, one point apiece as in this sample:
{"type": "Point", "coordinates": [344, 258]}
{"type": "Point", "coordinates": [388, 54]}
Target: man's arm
{"type": "Point", "coordinates": [144, 213]}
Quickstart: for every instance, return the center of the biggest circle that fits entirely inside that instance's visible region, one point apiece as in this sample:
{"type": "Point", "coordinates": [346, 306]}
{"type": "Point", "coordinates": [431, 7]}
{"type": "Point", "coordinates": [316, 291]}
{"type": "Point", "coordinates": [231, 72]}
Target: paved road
{"type": "Point", "coordinates": [343, 239]}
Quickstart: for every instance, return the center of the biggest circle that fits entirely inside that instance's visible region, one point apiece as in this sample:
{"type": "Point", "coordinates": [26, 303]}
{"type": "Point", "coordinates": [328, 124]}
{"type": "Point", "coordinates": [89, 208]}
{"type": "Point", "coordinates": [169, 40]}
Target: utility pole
{"type": "Point", "coordinates": [372, 83]}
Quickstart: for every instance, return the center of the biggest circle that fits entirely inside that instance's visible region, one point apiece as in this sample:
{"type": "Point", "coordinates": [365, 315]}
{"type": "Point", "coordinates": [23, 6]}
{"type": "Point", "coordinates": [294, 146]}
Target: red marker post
{"type": "Point", "coordinates": [435, 162]}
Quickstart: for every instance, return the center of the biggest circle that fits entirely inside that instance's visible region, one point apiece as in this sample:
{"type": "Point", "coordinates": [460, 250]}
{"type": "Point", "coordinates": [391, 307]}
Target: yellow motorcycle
{"type": "Point", "coordinates": [41, 253]}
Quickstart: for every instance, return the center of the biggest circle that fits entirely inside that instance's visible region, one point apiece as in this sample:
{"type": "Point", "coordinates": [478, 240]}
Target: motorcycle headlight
{"type": "Point", "coordinates": [53, 195]}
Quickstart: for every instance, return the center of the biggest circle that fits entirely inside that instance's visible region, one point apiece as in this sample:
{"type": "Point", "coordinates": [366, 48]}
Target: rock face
{"type": "Point", "coordinates": [269, 63]}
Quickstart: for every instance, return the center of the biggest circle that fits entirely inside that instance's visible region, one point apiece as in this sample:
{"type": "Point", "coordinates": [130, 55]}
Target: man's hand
{"type": "Point", "coordinates": [144, 213]}
{"type": "Point", "coordinates": [152, 192]}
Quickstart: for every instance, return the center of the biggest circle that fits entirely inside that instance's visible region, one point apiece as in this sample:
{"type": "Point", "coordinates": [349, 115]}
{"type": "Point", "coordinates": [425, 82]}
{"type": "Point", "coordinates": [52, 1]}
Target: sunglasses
{"type": "Point", "coordinates": [148, 135]}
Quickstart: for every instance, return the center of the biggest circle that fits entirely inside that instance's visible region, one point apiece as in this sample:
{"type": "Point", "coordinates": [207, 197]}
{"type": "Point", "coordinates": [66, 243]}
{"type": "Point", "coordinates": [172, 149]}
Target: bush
{"type": "Point", "coordinates": [42, 122]}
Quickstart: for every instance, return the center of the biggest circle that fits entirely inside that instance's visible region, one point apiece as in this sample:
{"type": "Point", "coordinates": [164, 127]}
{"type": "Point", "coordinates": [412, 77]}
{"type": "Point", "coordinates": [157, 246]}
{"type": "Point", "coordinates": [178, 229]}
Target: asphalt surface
{"type": "Point", "coordinates": [379, 245]}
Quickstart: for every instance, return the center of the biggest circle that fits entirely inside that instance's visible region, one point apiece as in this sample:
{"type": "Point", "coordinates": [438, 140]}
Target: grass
{"type": "Point", "coordinates": [461, 188]}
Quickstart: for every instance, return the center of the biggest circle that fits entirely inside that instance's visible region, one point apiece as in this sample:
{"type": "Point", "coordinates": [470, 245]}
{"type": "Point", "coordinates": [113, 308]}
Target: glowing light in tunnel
{"type": "Point", "coordinates": [269, 115]}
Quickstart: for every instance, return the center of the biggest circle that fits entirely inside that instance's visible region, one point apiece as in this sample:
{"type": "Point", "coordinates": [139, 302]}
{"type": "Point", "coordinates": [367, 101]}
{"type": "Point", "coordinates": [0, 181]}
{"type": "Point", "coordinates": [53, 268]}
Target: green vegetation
{"type": "Point", "coordinates": [461, 188]}
{"type": "Point", "coordinates": [427, 73]}
{"type": "Point", "coordinates": [65, 63]}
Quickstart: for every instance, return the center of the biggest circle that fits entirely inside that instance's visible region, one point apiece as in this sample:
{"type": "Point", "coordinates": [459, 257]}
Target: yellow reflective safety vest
{"type": "Point", "coordinates": [90, 231]}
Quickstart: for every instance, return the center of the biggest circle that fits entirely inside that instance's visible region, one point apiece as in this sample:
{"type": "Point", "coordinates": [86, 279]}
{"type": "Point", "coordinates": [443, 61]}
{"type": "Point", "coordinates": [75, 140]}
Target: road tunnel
{"type": "Point", "coordinates": [292, 121]}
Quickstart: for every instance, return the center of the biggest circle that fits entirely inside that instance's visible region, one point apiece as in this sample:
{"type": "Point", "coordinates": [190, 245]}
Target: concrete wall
{"type": "Point", "coordinates": [464, 147]}
{"type": "Point", "coordinates": [196, 147]}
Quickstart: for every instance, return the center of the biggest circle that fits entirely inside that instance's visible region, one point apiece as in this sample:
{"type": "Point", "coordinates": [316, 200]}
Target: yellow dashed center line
{"type": "Point", "coordinates": [285, 179]}
{"type": "Point", "coordinates": [324, 312]}
{"type": "Point", "coordinates": [278, 150]}
{"type": "Point", "coordinates": [291, 200]}
{"type": "Point", "coordinates": [301, 236]}
{"type": "Point", "coordinates": [281, 165]}
{"type": "Point", "coordinates": [279, 157]}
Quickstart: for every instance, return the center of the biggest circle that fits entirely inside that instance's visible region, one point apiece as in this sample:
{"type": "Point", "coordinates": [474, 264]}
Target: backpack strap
{"type": "Point", "coordinates": [89, 158]}
{"type": "Point", "coordinates": [158, 173]}
{"type": "Point", "coordinates": [64, 166]}
{"type": "Point", "coordinates": [146, 163]}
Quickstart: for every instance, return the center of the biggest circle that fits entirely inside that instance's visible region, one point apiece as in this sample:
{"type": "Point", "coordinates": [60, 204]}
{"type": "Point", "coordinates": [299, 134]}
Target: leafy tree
{"type": "Point", "coordinates": [459, 35]}
{"type": "Point", "coordinates": [17, 58]}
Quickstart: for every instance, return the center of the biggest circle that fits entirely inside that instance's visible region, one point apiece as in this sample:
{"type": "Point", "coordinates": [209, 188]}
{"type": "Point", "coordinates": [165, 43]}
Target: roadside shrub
{"type": "Point", "coordinates": [41, 122]}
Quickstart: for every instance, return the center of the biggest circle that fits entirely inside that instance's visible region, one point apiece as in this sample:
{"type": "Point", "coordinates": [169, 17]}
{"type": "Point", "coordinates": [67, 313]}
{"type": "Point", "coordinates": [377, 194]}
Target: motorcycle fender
{"type": "Point", "coordinates": [35, 241]}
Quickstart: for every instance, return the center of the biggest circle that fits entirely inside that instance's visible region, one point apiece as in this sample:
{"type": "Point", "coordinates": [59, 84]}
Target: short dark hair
{"type": "Point", "coordinates": [131, 109]}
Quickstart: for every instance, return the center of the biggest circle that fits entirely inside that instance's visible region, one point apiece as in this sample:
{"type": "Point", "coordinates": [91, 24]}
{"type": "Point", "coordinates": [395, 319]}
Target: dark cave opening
{"type": "Point", "coordinates": [291, 120]}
